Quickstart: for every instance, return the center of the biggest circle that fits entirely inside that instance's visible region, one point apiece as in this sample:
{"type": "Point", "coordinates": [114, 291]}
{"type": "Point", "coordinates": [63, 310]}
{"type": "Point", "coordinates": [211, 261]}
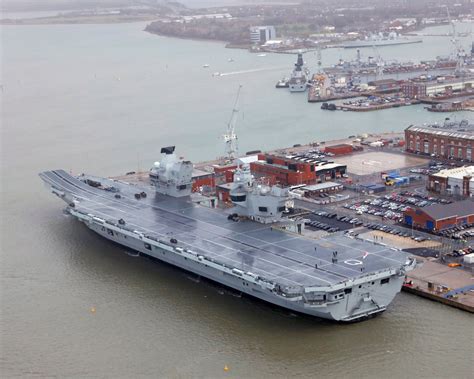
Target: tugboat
{"type": "Point", "coordinates": [283, 83]}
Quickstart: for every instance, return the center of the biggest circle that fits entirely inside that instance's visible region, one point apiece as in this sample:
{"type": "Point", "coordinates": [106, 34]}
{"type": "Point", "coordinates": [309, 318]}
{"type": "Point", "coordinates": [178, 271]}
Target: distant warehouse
{"type": "Point", "coordinates": [431, 88]}
{"type": "Point", "coordinates": [441, 216]}
{"type": "Point", "coordinates": [453, 140]}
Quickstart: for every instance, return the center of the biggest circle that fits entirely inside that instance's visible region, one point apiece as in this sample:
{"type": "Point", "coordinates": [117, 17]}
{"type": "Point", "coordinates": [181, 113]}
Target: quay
{"type": "Point", "coordinates": [441, 283]}
{"type": "Point", "coordinates": [455, 106]}
{"type": "Point", "coordinates": [314, 97]}
{"type": "Point", "coordinates": [433, 280]}
{"type": "Point", "coordinates": [376, 106]}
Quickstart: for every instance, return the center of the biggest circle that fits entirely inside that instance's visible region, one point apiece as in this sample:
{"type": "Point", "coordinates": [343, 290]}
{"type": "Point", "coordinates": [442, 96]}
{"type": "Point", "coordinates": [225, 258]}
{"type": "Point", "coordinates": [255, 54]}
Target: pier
{"type": "Point", "coordinates": [444, 284]}
{"type": "Point", "coordinates": [375, 107]}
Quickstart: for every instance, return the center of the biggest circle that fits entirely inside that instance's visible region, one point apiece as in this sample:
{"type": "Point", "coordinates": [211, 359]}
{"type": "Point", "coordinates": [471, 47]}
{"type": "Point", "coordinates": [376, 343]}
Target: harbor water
{"type": "Point", "coordinates": [103, 99]}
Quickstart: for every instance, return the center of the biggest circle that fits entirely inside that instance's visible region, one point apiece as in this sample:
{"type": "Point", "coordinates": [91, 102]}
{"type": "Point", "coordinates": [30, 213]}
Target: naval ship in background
{"type": "Point", "coordinates": [252, 247]}
{"type": "Point", "coordinates": [300, 76]}
{"type": "Point", "coordinates": [380, 40]}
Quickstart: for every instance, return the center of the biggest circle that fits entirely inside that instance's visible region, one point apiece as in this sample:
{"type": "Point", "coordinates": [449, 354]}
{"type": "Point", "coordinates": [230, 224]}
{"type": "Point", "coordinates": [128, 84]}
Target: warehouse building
{"type": "Point", "coordinates": [457, 181]}
{"type": "Point", "coordinates": [440, 216]}
{"type": "Point", "coordinates": [431, 88]}
{"type": "Point", "coordinates": [340, 149]}
{"type": "Point", "coordinates": [385, 85]}
{"type": "Point", "coordinates": [450, 141]}
{"type": "Point", "coordinates": [295, 170]}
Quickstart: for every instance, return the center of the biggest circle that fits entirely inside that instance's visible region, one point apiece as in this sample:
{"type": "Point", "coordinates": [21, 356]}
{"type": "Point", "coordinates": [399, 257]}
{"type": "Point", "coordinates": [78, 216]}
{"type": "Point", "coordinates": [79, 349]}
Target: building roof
{"type": "Point", "coordinates": [462, 129]}
{"type": "Point", "coordinates": [456, 173]}
{"type": "Point", "coordinates": [321, 186]}
{"type": "Point", "coordinates": [329, 166]}
{"type": "Point", "coordinates": [199, 173]}
{"type": "Point", "coordinates": [247, 159]}
{"type": "Point", "coordinates": [442, 211]}
{"type": "Point", "coordinates": [382, 82]}
{"type": "Point", "coordinates": [444, 82]}
{"type": "Point", "coordinates": [339, 146]}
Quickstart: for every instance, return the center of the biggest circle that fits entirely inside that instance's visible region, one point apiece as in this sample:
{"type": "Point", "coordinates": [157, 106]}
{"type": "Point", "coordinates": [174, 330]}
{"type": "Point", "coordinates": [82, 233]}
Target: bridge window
{"type": "Point", "coordinates": [348, 290]}
{"type": "Point", "coordinates": [238, 198]}
{"type": "Point", "coordinates": [385, 281]}
{"type": "Point", "coordinates": [263, 209]}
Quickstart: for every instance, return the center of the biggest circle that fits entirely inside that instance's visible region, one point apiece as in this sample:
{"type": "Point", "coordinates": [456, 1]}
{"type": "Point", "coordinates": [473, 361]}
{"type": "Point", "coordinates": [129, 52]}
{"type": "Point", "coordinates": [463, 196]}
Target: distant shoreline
{"type": "Point", "coordinates": [77, 20]}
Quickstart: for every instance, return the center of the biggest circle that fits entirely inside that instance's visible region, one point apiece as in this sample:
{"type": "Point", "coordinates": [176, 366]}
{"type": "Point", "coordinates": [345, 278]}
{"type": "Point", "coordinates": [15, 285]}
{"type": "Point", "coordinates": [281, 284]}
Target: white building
{"type": "Point", "coordinates": [457, 181]}
{"type": "Point", "coordinates": [262, 34]}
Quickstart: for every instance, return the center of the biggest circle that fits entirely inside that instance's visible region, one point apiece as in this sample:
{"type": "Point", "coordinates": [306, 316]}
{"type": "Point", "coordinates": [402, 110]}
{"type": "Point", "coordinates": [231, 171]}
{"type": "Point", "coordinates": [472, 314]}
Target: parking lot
{"type": "Point", "coordinates": [392, 206]}
{"type": "Point", "coordinates": [331, 222]}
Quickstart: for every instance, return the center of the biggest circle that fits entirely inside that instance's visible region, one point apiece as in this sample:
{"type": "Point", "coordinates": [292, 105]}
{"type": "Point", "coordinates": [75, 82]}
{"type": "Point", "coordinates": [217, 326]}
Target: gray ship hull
{"type": "Point", "coordinates": [363, 309]}
{"type": "Point", "coordinates": [339, 294]}
{"type": "Point", "coordinates": [381, 43]}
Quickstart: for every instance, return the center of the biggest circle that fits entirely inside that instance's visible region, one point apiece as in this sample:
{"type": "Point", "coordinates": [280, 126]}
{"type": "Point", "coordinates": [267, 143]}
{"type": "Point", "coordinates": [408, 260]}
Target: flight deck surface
{"type": "Point", "coordinates": [284, 258]}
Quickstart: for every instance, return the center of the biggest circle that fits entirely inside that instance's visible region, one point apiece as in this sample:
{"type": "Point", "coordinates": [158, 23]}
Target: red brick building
{"type": "Point", "coordinates": [202, 178]}
{"type": "Point", "coordinates": [340, 149]}
{"type": "Point", "coordinates": [289, 171]}
{"type": "Point", "coordinates": [454, 142]}
{"type": "Point", "coordinates": [440, 216]}
{"type": "Point", "coordinates": [414, 90]}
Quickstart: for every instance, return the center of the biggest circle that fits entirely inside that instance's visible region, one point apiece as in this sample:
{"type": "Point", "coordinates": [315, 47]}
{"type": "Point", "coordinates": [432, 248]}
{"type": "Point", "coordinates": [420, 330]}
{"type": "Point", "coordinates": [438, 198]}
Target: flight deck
{"type": "Point", "coordinates": [282, 257]}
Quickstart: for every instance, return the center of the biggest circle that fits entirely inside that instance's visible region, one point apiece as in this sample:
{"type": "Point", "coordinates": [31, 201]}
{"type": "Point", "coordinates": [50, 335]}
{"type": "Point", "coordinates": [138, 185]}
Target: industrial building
{"type": "Point", "coordinates": [202, 179]}
{"type": "Point", "coordinates": [317, 189]}
{"type": "Point", "coordinates": [296, 169]}
{"type": "Point", "coordinates": [453, 140]}
{"type": "Point", "coordinates": [457, 181]}
{"type": "Point", "coordinates": [429, 88]}
{"type": "Point", "coordinates": [340, 149]}
{"type": "Point", "coordinates": [385, 85]}
{"type": "Point", "coordinates": [440, 216]}
{"type": "Point", "coordinates": [262, 34]}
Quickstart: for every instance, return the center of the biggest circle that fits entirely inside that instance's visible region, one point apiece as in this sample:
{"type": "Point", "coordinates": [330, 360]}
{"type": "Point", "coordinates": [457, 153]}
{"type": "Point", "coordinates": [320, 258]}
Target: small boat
{"type": "Point", "coordinates": [282, 83]}
{"type": "Point", "coordinates": [205, 65]}
{"type": "Point", "coordinates": [230, 60]}
{"type": "Point", "coordinates": [261, 55]}
{"type": "Point", "coordinates": [216, 74]}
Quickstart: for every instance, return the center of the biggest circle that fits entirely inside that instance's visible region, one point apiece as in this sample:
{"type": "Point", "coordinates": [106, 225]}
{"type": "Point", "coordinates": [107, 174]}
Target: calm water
{"type": "Point", "coordinates": [104, 99]}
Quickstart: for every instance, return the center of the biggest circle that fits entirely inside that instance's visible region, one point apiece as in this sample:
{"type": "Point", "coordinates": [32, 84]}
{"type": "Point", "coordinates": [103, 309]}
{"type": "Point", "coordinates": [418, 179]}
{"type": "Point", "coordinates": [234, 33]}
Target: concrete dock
{"type": "Point", "coordinates": [448, 285]}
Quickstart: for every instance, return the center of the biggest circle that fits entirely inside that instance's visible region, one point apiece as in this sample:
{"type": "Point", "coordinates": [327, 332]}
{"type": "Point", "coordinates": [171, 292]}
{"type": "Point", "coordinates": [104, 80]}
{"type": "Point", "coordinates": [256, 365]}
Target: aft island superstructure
{"type": "Point", "coordinates": [250, 247]}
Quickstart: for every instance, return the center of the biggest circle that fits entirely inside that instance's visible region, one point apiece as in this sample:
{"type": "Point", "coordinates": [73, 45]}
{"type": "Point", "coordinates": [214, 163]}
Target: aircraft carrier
{"type": "Point", "coordinates": [251, 247]}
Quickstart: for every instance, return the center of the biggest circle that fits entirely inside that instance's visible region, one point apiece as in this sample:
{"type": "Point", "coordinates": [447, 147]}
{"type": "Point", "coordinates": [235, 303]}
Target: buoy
{"type": "Point", "coordinates": [226, 368]}
{"type": "Point", "coordinates": [92, 309]}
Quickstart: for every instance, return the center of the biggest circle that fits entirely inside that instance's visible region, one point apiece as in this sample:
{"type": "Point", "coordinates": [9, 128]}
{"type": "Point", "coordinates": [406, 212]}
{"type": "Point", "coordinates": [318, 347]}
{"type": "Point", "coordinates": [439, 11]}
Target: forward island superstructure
{"type": "Point", "coordinates": [251, 247]}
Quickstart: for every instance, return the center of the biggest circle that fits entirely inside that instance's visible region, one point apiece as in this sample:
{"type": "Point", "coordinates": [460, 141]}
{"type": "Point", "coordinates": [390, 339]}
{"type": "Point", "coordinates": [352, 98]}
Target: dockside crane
{"type": "Point", "coordinates": [230, 138]}
{"type": "Point", "coordinates": [458, 54]}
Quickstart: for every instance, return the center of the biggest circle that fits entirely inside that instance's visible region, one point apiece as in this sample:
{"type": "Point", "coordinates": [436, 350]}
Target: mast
{"type": "Point", "coordinates": [458, 52]}
{"type": "Point", "coordinates": [319, 57]}
{"type": "Point", "coordinates": [380, 64]}
{"type": "Point", "coordinates": [230, 137]}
